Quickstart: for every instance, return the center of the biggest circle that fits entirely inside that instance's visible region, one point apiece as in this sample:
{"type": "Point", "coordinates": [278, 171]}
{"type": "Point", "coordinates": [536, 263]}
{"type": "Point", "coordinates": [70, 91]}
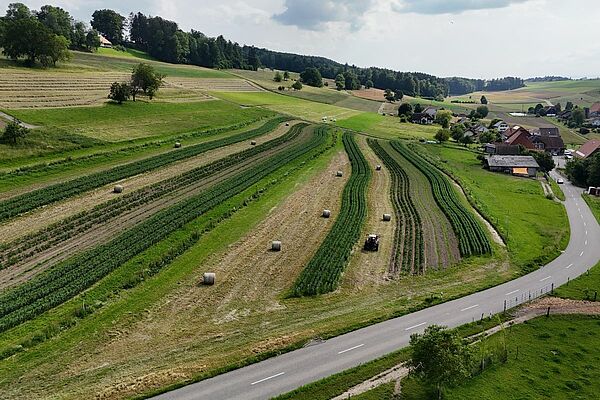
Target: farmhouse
{"type": "Point", "coordinates": [551, 144]}
{"type": "Point", "coordinates": [595, 122]}
{"type": "Point", "coordinates": [104, 42]}
{"type": "Point", "coordinates": [432, 111]}
{"type": "Point", "coordinates": [588, 149]}
{"type": "Point", "coordinates": [422, 118]}
{"type": "Point", "coordinates": [515, 165]}
{"type": "Point", "coordinates": [501, 126]}
{"type": "Point", "coordinates": [547, 131]}
{"type": "Point", "coordinates": [520, 136]}
{"type": "Point", "coordinates": [594, 111]}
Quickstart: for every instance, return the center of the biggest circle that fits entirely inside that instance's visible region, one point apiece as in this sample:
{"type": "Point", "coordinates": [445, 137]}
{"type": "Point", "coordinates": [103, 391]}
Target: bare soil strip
{"type": "Point", "coordinates": [370, 268]}
{"type": "Point", "coordinates": [250, 282]}
{"type": "Point", "coordinates": [104, 231]}
{"type": "Point", "coordinates": [45, 216]}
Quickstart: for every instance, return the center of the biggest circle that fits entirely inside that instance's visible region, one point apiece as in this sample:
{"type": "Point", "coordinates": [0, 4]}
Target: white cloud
{"type": "Point", "coordinates": [448, 7]}
{"type": "Point", "coordinates": [316, 14]}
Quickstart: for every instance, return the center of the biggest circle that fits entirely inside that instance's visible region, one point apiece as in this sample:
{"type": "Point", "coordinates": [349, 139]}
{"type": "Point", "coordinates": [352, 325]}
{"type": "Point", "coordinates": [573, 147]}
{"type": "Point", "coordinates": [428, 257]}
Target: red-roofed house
{"type": "Point", "coordinates": [522, 137]}
{"type": "Point", "coordinates": [588, 149]}
{"type": "Point", "coordinates": [594, 110]}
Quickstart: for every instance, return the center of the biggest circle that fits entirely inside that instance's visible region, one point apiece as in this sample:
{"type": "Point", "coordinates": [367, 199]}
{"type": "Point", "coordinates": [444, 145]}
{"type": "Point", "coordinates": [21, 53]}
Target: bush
{"type": "Point", "coordinates": [584, 131]}
{"type": "Point", "coordinates": [13, 132]}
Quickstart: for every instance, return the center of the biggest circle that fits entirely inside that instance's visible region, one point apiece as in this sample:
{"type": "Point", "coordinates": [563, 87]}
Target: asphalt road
{"type": "Point", "coordinates": [288, 371]}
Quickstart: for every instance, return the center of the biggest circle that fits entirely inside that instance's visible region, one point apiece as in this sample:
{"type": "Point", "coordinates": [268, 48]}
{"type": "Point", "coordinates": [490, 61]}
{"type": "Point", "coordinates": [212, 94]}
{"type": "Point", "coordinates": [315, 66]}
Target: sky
{"type": "Point", "coordinates": [470, 38]}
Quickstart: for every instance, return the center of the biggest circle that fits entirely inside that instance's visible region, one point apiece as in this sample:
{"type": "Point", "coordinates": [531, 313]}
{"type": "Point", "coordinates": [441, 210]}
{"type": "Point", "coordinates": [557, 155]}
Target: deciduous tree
{"type": "Point", "coordinates": [439, 357]}
{"type": "Point", "coordinates": [110, 24]}
{"type": "Point", "coordinates": [13, 132]}
{"type": "Point", "coordinates": [443, 117]}
{"type": "Point", "coordinates": [312, 77]}
{"type": "Point", "coordinates": [145, 79]}
{"type": "Point", "coordinates": [119, 92]}
{"type": "Point", "coordinates": [442, 135]}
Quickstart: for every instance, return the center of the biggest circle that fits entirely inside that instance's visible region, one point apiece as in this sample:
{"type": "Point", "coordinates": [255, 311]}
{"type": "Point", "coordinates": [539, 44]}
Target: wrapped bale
{"type": "Point", "coordinates": [276, 245]}
{"type": "Point", "coordinates": [253, 143]}
{"type": "Point", "coordinates": [118, 189]}
{"type": "Point", "coordinates": [387, 217]}
{"type": "Point", "coordinates": [208, 278]}
{"type": "Point", "coordinates": [378, 167]}
{"type": "Point", "coordinates": [339, 173]}
{"type": "Point", "coordinates": [326, 213]}
{"type": "Point", "coordinates": [177, 145]}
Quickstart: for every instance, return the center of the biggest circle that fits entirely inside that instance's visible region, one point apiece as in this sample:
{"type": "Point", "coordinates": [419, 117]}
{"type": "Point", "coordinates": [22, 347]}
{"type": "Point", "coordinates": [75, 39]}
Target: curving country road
{"type": "Point", "coordinates": [288, 371]}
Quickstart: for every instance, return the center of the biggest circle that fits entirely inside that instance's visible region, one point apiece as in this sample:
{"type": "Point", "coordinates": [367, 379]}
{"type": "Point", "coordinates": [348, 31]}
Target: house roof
{"type": "Point", "coordinates": [595, 108]}
{"type": "Point", "coordinates": [104, 40]}
{"type": "Point", "coordinates": [522, 132]}
{"type": "Point", "coordinates": [588, 148]}
{"type": "Point", "coordinates": [419, 116]}
{"type": "Point", "coordinates": [512, 161]}
{"type": "Point", "coordinates": [515, 129]}
{"type": "Point", "coordinates": [549, 131]}
{"type": "Point", "coordinates": [550, 142]}
{"type": "Point", "coordinates": [497, 124]}
{"type": "Point", "coordinates": [432, 111]}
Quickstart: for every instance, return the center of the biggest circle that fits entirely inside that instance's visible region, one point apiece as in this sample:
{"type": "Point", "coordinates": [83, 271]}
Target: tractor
{"type": "Point", "coordinates": [372, 243]}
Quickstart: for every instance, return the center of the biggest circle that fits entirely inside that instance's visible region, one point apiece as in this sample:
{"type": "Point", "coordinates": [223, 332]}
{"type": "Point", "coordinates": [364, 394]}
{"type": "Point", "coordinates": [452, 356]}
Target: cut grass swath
{"type": "Point", "coordinates": [408, 247]}
{"type": "Point", "coordinates": [323, 272]}
{"type": "Point", "coordinates": [51, 194]}
{"type": "Point", "coordinates": [73, 276]}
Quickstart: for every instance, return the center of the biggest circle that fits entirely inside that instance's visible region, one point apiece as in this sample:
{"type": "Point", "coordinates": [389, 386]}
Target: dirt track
{"type": "Point", "coordinates": [103, 232]}
{"type": "Point", "coordinates": [38, 219]}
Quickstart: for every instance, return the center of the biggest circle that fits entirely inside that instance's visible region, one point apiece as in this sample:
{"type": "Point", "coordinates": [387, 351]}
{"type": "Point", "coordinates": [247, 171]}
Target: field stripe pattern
{"type": "Point", "coordinates": [472, 239]}
{"type": "Point", "coordinates": [74, 276]}
{"type": "Point", "coordinates": [51, 194]}
{"type": "Point", "coordinates": [407, 250]}
{"type": "Point", "coordinates": [324, 270]}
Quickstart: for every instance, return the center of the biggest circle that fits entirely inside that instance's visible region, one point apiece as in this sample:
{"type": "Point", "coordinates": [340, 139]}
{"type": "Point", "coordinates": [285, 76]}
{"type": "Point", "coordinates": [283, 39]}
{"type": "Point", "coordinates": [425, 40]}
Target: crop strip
{"type": "Point", "coordinates": [51, 194]}
{"type": "Point", "coordinates": [28, 246]}
{"type": "Point", "coordinates": [408, 248]}
{"type": "Point", "coordinates": [324, 270]}
{"type": "Point", "coordinates": [67, 279]}
{"type": "Point", "coordinates": [472, 239]}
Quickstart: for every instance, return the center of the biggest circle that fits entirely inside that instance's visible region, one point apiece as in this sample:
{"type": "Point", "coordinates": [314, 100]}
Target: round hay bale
{"type": "Point", "coordinates": [287, 124]}
{"type": "Point", "coordinates": [339, 173]}
{"type": "Point", "coordinates": [118, 189]}
{"type": "Point", "coordinates": [208, 278]}
{"type": "Point", "coordinates": [326, 213]}
{"type": "Point", "coordinates": [177, 145]}
{"type": "Point", "coordinates": [276, 245]}
{"type": "Point", "coordinates": [378, 167]}
{"type": "Point", "coordinates": [253, 143]}
{"type": "Point", "coordinates": [387, 217]}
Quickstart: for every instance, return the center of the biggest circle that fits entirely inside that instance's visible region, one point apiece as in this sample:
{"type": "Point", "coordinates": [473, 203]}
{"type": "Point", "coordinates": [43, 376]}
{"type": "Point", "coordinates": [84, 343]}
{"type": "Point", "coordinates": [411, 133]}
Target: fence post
{"type": "Point", "coordinates": [568, 280]}
{"type": "Point", "coordinates": [548, 312]}
{"type": "Point", "coordinates": [552, 290]}
{"type": "Point", "coordinates": [505, 306]}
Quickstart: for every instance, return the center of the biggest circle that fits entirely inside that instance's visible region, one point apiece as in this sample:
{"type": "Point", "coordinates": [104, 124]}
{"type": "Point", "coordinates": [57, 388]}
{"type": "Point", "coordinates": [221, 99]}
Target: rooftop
{"type": "Point", "coordinates": [512, 161]}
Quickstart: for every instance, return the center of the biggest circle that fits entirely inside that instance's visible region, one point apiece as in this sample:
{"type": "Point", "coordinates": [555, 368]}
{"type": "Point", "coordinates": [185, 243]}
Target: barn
{"type": "Point", "coordinates": [514, 165]}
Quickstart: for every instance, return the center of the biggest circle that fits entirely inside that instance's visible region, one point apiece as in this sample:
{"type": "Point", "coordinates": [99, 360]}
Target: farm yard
{"type": "Point", "coordinates": [102, 291]}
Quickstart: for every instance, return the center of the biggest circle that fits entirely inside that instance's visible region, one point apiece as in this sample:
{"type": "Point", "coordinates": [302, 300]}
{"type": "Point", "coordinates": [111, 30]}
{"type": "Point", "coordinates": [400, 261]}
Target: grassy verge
{"type": "Point", "coordinates": [584, 287]}
{"type": "Point", "coordinates": [387, 127]}
{"type": "Point", "coordinates": [594, 204]}
{"type": "Point", "coordinates": [556, 189]}
{"type": "Point", "coordinates": [337, 384]}
{"type": "Point", "coordinates": [534, 228]}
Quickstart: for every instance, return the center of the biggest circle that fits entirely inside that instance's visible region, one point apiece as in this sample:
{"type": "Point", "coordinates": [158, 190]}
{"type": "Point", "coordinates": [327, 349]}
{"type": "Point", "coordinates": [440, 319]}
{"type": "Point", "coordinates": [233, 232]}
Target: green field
{"type": "Point", "coordinates": [533, 227]}
{"type": "Point", "coordinates": [557, 359]}
{"type": "Point", "coordinates": [134, 120]}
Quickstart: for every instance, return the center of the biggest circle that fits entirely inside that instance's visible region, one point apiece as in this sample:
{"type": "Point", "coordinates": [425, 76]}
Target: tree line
{"type": "Point", "coordinates": [43, 36]}
{"type": "Point", "coordinates": [459, 86]}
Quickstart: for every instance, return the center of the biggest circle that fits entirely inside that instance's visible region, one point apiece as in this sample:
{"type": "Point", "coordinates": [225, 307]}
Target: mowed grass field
{"type": "Point", "coordinates": [548, 358]}
{"type": "Point", "coordinates": [325, 94]}
{"type": "Point", "coordinates": [534, 228]}
{"type": "Point", "coordinates": [133, 120]}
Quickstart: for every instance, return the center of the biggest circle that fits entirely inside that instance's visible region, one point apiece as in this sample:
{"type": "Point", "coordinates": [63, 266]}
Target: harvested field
{"type": "Point", "coordinates": [46, 216]}
{"type": "Point", "coordinates": [440, 242]}
{"type": "Point", "coordinates": [250, 282]}
{"type": "Point", "coordinates": [89, 233]}
{"type": "Point", "coordinates": [27, 89]}
{"type": "Point", "coordinates": [370, 268]}
{"type": "Point", "coordinates": [370, 94]}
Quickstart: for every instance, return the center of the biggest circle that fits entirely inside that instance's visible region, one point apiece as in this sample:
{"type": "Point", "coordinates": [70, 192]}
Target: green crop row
{"type": "Point", "coordinates": [472, 239]}
{"type": "Point", "coordinates": [53, 193]}
{"type": "Point", "coordinates": [409, 234]}
{"type": "Point", "coordinates": [28, 246]}
{"type": "Point", "coordinates": [73, 276]}
{"type": "Point", "coordinates": [323, 272]}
